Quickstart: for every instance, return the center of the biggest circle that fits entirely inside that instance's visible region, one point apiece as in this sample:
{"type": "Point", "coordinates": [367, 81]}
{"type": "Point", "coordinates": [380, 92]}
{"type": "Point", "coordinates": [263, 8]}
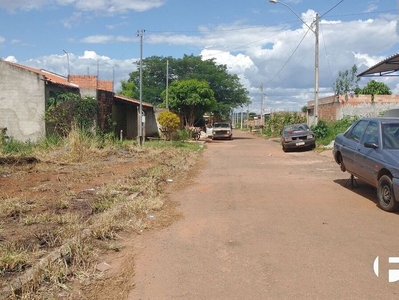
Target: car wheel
{"type": "Point", "coordinates": [386, 197]}
{"type": "Point", "coordinates": [341, 162]}
{"type": "Point", "coordinates": [284, 149]}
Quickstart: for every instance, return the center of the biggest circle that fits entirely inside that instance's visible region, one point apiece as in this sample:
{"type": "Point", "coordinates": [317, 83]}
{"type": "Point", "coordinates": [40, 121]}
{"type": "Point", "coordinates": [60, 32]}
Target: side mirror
{"type": "Point", "coordinates": [370, 145]}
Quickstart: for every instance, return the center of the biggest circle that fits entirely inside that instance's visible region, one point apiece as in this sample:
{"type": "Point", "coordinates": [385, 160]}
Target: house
{"type": "Point", "coordinates": [336, 107]}
{"type": "Point", "coordinates": [24, 92]}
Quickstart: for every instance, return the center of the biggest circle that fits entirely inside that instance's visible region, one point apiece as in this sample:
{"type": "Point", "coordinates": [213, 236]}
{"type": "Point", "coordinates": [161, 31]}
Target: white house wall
{"type": "Point", "coordinates": [22, 103]}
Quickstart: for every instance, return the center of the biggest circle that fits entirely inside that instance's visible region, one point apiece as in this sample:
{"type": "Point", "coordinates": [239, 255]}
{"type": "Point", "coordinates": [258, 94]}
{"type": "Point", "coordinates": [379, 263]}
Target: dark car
{"type": "Point", "coordinates": [369, 150]}
{"type": "Point", "coordinates": [297, 136]}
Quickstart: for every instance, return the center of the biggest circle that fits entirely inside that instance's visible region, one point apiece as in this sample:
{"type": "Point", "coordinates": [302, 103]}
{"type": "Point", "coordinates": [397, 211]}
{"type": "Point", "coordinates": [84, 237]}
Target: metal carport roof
{"type": "Point", "coordinates": [387, 67]}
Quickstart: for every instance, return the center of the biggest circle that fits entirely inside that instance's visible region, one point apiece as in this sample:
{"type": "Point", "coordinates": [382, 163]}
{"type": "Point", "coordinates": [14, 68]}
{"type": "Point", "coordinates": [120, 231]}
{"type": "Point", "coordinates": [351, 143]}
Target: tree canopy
{"type": "Point", "coordinates": [191, 98]}
{"type": "Point", "coordinates": [228, 92]}
{"type": "Point", "coordinates": [375, 88]}
{"type": "Point", "coordinates": [347, 83]}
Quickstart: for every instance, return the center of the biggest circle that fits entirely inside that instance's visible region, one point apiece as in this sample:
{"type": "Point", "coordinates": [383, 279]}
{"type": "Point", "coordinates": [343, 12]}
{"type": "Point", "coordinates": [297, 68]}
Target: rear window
{"type": "Point", "coordinates": [296, 127]}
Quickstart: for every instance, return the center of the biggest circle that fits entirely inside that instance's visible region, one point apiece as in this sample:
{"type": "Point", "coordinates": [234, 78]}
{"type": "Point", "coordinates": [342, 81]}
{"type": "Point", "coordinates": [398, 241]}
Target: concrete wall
{"type": "Point", "coordinates": [151, 124]}
{"type": "Point", "coordinates": [336, 108]}
{"type": "Point", "coordinates": [124, 115]}
{"type": "Point", "coordinates": [22, 103]}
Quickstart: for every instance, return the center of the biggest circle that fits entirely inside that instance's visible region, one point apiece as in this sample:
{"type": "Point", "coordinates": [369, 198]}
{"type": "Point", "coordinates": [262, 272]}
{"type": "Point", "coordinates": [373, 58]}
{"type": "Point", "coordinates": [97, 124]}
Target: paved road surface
{"type": "Point", "coordinates": [263, 224]}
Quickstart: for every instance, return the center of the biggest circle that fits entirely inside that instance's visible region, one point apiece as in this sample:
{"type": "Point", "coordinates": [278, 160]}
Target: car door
{"type": "Point", "coordinates": [350, 145]}
{"type": "Point", "coordinates": [367, 160]}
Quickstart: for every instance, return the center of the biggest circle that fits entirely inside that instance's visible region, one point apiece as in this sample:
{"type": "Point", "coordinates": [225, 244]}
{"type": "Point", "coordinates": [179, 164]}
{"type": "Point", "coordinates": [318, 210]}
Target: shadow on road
{"type": "Point", "coordinates": [359, 187]}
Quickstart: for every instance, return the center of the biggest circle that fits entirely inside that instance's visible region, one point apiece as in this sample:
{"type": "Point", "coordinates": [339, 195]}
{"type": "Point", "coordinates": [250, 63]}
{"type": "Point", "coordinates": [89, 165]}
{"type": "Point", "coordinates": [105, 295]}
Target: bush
{"type": "Point", "coordinates": [169, 122]}
{"type": "Point", "coordinates": [277, 121]}
{"type": "Point", "coordinates": [321, 130]}
{"type": "Point", "coordinates": [326, 132]}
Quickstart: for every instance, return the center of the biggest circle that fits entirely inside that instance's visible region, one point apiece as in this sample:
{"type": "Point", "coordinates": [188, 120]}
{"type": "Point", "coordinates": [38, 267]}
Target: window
{"type": "Point", "coordinates": [371, 134]}
{"type": "Point", "coordinates": [390, 136]}
{"type": "Point", "coordinates": [357, 131]}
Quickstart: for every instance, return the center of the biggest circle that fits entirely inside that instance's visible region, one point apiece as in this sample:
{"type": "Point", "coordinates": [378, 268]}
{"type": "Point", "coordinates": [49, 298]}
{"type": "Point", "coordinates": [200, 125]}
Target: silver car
{"type": "Point", "coordinates": [369, 150]}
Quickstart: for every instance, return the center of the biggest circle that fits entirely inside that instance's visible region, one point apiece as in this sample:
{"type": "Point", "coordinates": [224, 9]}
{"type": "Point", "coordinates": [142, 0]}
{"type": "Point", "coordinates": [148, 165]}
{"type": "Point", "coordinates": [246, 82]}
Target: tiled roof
{"type": "Point", "coordinates": [130, 100]}
{"type": "Point", "coordinates": [49, 76]}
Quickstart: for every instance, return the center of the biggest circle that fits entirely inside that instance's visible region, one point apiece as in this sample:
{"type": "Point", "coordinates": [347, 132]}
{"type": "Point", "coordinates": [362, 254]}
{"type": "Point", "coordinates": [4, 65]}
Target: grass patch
{"type": "Point", "coordinates": [14, 257]}
{"type": "Point", "coordinates": [81, 223]}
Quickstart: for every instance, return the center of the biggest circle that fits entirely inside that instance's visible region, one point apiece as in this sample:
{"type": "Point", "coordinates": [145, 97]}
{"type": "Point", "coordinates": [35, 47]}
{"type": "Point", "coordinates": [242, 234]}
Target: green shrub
{"type": "Point", "coordinates": [321, 130]}
{"type": "Point", "coordinates": [169, 122]}
{"type": "Point", "coordinates": [326, 132]}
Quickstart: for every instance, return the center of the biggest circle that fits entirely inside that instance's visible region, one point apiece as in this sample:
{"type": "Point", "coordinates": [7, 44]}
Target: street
{"type": "Point", "coordinates": [263, 224]}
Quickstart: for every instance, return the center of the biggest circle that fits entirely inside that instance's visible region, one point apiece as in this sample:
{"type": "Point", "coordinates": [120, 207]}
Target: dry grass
{"type": "Point", "coordinates": [78, 225]}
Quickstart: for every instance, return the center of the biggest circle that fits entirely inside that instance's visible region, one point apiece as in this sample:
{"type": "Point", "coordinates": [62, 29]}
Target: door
{"type": "Point", "coordinates": [367, 160]}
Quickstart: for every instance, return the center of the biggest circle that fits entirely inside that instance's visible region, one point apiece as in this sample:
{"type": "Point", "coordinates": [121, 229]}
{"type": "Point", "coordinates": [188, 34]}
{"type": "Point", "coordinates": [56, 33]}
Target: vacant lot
{"type": "Point", "coordinates": [63, 211]}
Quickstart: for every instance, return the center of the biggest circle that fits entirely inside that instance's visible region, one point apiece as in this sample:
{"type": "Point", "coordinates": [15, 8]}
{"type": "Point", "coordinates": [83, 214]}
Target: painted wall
{"type": "Point", "coordinates": [22, 103]}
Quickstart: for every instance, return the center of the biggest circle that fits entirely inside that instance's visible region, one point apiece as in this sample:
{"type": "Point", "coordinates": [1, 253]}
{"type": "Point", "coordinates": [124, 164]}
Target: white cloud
{"type": "Point", "coordinates": [103, 39]}
{"type": "Point", "coordinates": [108, 6]}
{"type": "Point", "coordinates": [24, 5]}
{"type": "Point", "coordinates": [11, 59]}
{"type": "Point", "coordinates": [89, 63]}
{"type": "Point", "coordinates": [280, 58]}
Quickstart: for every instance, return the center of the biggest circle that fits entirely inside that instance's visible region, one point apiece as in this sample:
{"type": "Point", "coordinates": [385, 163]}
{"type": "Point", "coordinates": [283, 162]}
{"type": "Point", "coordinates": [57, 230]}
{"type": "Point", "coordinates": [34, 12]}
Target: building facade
{"type": "Point", "coordinates": [25, 92]}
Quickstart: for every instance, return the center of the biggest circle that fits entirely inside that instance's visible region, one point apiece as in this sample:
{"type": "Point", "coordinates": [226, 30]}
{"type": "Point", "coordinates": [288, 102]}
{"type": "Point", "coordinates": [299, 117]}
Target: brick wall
{"type": "Point", "coordinates": [106, 85]}
{"type": "Point", "coordinates": [92, 82]}
{"type": "Point", "coordinates": [335, 108]}
{"type": "Point", "coordinates": [84, 81]}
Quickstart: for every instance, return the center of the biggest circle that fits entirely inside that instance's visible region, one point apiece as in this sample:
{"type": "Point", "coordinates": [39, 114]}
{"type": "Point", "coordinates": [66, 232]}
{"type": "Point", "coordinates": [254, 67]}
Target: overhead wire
{"type": "Point", "coordinates": [289, 58]}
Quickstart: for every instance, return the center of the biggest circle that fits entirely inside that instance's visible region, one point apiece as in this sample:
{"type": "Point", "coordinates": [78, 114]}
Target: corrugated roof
{"type": "Point", "coordinates": [387, 67]}
{"type": "Point", "coordinates": [130, 100]}
{"type": "Point", "coordinates": [48, 76]}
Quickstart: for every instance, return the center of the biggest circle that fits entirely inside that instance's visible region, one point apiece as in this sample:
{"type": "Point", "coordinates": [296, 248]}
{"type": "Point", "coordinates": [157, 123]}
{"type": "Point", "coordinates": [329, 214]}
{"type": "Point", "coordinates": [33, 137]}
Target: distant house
{"type": "Point", "coordinates": [336, 107]}
{"type": "Point", "coordinates": [25, 92]}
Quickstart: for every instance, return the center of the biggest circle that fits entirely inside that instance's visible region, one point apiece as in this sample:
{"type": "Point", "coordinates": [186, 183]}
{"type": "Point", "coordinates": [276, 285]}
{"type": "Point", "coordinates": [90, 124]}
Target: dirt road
{"type": "Point", "coordinates": [263, 224]}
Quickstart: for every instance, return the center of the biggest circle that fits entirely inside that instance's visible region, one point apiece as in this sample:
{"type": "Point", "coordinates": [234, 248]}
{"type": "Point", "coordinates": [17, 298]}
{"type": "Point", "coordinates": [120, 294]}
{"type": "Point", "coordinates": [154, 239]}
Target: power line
{"type": "Point", "coordinates": [289, 58]}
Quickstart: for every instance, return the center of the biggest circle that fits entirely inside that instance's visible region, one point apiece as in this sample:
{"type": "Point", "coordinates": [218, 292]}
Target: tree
{"type": "Point", "coordinates": [128, 89]}
{"type": "Point", "coordinates": [375, 88]}
{"type": "Point", "coordinates": [228, 91]}
{"type": "Point", "coordinates": [191, 98]}
{"type": "Point", "coordinates": [347, 83]}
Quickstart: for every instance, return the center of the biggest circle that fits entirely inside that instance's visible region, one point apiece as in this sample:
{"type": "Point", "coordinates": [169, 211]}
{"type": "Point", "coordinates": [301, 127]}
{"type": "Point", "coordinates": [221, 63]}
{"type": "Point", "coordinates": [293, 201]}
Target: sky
{"type": "Point", "coordinates": [269, 46]}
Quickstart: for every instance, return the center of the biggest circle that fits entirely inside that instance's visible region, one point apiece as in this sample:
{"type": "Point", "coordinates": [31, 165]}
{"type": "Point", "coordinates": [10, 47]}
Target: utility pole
{"type": "Point", "coordinates": [68, 63]}
{"type": "Point", "coordinates": [316, 74]}
{"type": "Point", "coordinates": [316, 67]}
{"type": "Point", "coordinates": [167, 83]}
{"type": "Point", "coordinates": [140, 114]}
{"type": "Point", "coordinates": [261, 109]}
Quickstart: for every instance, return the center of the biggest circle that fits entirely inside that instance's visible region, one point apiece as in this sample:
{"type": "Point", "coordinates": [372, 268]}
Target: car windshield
{"type": "Point", "coordinates": [296, 127]}
{"type": "Point", "coordinates": [221, 125]}
{"type": "Point", "coordinates": [390, 136]}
